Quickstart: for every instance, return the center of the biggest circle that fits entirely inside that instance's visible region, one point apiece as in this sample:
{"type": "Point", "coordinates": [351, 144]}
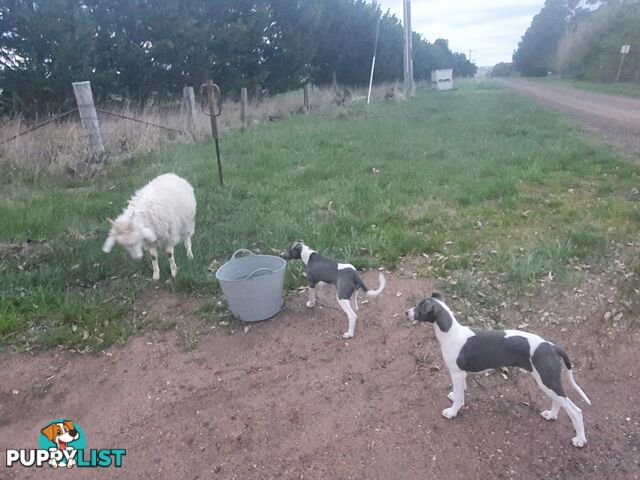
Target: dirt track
{"type": "Point", "coordinates": [615, 117]}
{"type": "Point", "coordinates": [291, 399]}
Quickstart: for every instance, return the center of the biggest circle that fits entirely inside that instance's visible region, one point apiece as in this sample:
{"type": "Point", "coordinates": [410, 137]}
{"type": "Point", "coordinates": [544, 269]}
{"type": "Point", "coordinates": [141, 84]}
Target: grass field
{"type": "Point", "coordinates": [476, 178]}
{"type": "Point", "coordinates": [623, 88]}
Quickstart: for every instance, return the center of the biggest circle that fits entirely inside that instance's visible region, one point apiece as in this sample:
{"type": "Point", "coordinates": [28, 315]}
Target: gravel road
{"type": "Point", "coordinates": [615, 117]}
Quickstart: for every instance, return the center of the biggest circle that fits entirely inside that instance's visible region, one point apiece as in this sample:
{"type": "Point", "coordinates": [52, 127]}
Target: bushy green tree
{"type": "Point", "coordinates": [390, 54]}
{"type": "Point", "coordinates": [501, 69]}
{"type": "Point", "coordinates": [590, 49]}
{"type": "Point", "coordinates": [462, 67]}
{"type": "Point", "coordinates": [46, 44]}
{"type": "Point", "coordinates": [536, 50]}
{"type": "Point", "coordinates": [292, 43]}
{"type": "Point", "coordinates": [141, 49]}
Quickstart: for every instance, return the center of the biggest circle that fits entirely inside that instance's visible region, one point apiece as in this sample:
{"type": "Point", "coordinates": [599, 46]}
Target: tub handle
{"type": "Point", "coordinates": [241, 250]}
{"type": "Point", "coordinates": [256, 271]}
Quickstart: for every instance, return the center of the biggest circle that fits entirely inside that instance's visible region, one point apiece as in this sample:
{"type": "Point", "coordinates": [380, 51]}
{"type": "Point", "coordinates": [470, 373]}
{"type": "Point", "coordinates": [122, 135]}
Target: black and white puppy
{"type": "Point", "coordinates": [468, 350]}
{"type": "Point", "coordinates": [343, 276]}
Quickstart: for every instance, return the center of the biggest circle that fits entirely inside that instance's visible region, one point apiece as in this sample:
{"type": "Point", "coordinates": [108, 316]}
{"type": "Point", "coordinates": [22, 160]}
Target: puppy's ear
{"type": "Point", "coordinates": [437, 296]}
{"type": "Point", "coordinates": [428, 306]}
{"type": "Point", "coordinates": [72, 428]}
{"type": "Point", "coordinates": [51, 432]}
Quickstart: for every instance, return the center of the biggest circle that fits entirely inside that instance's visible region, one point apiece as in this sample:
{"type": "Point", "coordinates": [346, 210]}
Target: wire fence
{"type": "Point", "coordinates": [59, 144]}
{"type": "Point", "coordinates": [37, 127]}
{"type": "Point", "coordinates": [144, 122]}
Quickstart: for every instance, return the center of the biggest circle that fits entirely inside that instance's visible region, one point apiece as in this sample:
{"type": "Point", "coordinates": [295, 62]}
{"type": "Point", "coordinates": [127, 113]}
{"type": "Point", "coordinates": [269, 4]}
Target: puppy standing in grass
{"type": "Point", "coordinates": [343, 276]}
{"type": "Point", "coordinates": [468, 350]}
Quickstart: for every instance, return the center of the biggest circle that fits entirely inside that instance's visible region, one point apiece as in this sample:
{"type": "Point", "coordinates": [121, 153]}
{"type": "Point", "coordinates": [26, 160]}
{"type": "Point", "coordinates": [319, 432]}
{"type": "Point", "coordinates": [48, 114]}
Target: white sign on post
{"type": "Point", "coordinates": [625, 49]}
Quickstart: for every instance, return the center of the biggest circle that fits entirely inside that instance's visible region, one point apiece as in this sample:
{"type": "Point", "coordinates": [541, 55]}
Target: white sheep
{"type": "Point", "coordinates": [160, 214]}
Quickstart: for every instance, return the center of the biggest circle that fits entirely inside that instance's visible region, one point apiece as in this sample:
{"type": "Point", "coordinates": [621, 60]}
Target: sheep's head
{"type": "Point", "coordinates": [129, 234]}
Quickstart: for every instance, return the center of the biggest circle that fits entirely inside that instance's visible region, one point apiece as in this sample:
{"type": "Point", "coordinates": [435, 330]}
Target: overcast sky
{"type": "Point", "coordinates": [490, 28]}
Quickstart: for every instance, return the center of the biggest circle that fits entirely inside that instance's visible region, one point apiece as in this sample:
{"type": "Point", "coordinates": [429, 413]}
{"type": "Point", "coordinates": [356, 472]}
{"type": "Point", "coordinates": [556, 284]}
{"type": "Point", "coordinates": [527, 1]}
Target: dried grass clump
{"type": "Point", "coordinates": [61, 147]}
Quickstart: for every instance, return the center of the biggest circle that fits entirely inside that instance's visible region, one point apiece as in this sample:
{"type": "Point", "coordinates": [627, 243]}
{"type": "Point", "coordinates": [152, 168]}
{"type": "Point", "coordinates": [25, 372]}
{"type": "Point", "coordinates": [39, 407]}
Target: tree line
{"type": "Point", "coordinates": [580, 39]}
{"type": "Point", "coordinates": [142, 49]}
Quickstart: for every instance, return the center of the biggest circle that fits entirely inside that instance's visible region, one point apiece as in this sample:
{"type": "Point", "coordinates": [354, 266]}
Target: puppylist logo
{"type": "Point", "coordinates": [62, 443]}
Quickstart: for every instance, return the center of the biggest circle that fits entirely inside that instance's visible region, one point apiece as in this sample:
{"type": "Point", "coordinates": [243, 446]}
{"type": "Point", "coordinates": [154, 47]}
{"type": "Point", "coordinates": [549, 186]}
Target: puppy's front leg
{"type": "Point", "coordinates": [553, 413]}
{"type": "Point", "coordinates": [458, 380]}
{"type": "Point", "coordinates": [312, 297]}
{"type": "Point", "coordinates": [450, 394]}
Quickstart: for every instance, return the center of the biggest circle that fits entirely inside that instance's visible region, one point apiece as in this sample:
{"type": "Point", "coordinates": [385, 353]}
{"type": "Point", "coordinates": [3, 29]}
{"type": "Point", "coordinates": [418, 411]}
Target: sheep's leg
{"type": "Point", "coordinates": [154, 261]}
{"type": "Point", "coordinates": [172, 262]}
{"type": "Point", "coordinates": [187, 245]}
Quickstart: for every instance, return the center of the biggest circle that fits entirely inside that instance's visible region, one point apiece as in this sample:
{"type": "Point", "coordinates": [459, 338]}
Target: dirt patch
{"type": "Point", "coordinates": [30, 247]}
{"type": "Point", "coordinates": [289, 398]}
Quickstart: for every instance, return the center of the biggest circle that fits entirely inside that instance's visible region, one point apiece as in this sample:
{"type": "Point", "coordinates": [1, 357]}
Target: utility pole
{"type": "Point", "coordinates": [624, 50]}
{"type": "Point", "coordinates": [409, 89]}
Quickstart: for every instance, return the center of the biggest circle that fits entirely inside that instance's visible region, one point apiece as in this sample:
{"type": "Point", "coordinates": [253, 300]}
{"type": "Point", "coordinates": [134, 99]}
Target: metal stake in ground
{"type": "Point", "coordinates": [213, 109]}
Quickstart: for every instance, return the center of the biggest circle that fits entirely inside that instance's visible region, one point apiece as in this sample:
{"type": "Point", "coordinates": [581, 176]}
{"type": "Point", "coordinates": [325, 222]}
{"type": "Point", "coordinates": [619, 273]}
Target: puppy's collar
{"type": "Point", "coordinates": [306, 253]}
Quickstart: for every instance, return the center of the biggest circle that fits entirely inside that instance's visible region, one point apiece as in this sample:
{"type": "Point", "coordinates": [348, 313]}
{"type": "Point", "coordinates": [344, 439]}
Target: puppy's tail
{"type": "Point", "coordinates": [572, 381]}
{"type": "Point", "coordinates": [375, 293]}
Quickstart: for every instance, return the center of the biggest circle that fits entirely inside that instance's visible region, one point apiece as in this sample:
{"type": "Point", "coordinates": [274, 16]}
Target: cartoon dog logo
{"type": "Point", "coordinates": [61, 433]}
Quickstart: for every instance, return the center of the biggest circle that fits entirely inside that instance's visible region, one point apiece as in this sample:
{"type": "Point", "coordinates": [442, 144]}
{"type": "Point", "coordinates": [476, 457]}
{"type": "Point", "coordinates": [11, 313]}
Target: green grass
{"type": "Point", "coordinates": [623, 88]}
{"type": "Point", "coordinates": [547, 257]}
{"type": "Point", "coordinates": [461, 173]}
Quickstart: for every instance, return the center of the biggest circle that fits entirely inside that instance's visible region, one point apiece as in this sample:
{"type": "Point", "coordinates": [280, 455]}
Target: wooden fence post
{"type": "Point", "coordinates": [88, 115]}
{"type": "Point", "coordinates": [189, 109]}
{"type": "Point", "coordinates": [243, 106]}
{"type": "Point", "coordinates": [306, 98]}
